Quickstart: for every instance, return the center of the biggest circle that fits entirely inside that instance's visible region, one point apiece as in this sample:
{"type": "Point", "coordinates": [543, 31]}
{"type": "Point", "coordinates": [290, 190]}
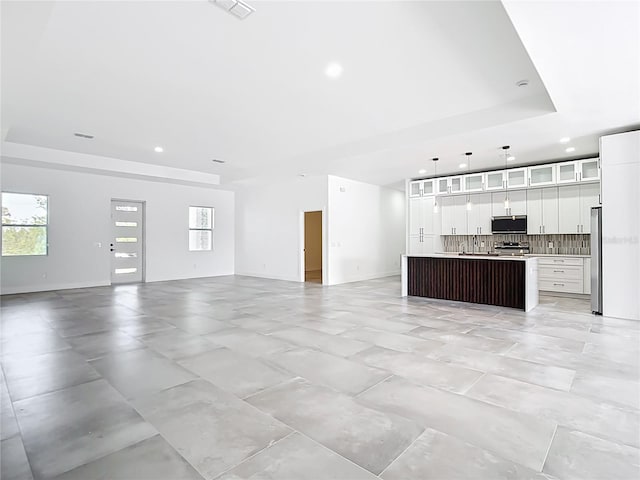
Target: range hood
{"type": "Point", "coordinates": [510, 224]}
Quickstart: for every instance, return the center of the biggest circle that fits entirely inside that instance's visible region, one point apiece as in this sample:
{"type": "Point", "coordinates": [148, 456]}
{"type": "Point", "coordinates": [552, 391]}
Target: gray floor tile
{"type": "Point", "coordinates": [177, 344]}
{"type": "Point", "coordinates": [363, 435]}
{"type": "Point", "coordinates": [8, 424]}
{"type": "Point", "coordinates": [328, 370]}
{"type": "Point", "coordinates": [333, 344]}
{"type": "Point", "coordinates": [529, 338]}
{"type": "Point", "coordinates": [46, 373]}
{"type": "Point", "coordinates": [510, 435]}
{"type": "Point", "coordinates": [440, 456]}
{"type": "Point", "coordinates": [469, 341]}
{"type": "Point", "coordinates": [234, 372]}
{"type": "Point", "coordinates": [564, 408]}
{"type": "Point", "coordinates": [248, 342]}
{"type": "Point", "coordinates": [140, 372]}
{"type": "Point", "coordinates": [34, 343]}
{"type": "Point", "coordinates": [393, 341]}
{"type": "Point", "coordinates": [297, 457]}
{"type": "Point", "coordinates": [614, 390]}
{"type": "Point", "coordinates": [150, 459]}
{"type": "Point", "coordinates": [96, 345]}
{"type": "Point", "coordinates": [419, 369]}
{"type": "Point", "coordinates": [210, 428]}
{"type": "Point", "coordinates": [13, 460]}
{"type": "Point", "coordinates": [145, 326]}
{"type": "Point", "coordinates": [196, 324]}
{"type": "Point", "coordinates": [545, 375]}
{"type": "Point", "coordinates": [579, 456]}
{"type": "Point", "coordinates": [68, 428]}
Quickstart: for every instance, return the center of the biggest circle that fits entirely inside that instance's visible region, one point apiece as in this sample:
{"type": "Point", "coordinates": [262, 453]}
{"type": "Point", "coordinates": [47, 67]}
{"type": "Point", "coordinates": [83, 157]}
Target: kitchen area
{"type": "Point", "coordinates": [536, 219]}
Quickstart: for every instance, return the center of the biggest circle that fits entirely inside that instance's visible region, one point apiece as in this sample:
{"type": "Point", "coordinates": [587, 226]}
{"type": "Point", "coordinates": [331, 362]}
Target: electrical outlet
{"type": "Point", "coordinates": [550, 244]}
{"type": "Point", "coordinates": [481, 244]}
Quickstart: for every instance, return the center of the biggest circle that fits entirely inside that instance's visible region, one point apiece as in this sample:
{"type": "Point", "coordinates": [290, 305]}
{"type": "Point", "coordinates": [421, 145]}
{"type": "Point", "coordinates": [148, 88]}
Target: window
{"type": "Point", "coordinates": [24, 224]}
{"type": "Point", "coordinates": [200, 228]}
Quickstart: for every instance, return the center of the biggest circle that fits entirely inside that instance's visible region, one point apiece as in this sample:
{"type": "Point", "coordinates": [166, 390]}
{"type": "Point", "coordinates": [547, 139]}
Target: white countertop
{"type": "Point", "coordinates": [557, 255]}
{"type": "Point", "coordinates": [473, 257]}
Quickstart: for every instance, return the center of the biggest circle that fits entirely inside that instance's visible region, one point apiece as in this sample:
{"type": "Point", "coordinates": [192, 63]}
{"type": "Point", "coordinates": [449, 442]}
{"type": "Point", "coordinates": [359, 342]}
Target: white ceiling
{"type": "Point", "coordinates": [421, 79]}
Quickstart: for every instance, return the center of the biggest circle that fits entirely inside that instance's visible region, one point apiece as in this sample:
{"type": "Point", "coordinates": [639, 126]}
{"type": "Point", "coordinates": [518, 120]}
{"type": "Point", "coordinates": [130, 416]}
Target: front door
{"type": "Point", "coordinates": [127, 245]}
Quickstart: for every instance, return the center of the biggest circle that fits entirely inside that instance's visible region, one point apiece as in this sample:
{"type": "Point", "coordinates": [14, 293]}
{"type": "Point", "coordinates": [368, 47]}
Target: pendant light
{"type": "Point", "coordinates": [506, 192]}
{"type": "Point", "coordinates": [468, 154]}
{"type": "Point", "coordinates": [435, 197]}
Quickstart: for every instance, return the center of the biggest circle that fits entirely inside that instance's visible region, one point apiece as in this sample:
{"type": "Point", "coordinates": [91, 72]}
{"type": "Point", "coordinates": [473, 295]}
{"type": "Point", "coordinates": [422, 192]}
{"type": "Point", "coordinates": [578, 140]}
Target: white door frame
{"type": "Point", "coordinates": [143, 239]}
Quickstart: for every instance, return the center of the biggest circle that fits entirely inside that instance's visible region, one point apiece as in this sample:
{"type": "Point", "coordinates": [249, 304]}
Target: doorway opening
{"type": "Point", "coordinates": [313, 247]}
{"type": "Point", "coordinates": [127, 241]}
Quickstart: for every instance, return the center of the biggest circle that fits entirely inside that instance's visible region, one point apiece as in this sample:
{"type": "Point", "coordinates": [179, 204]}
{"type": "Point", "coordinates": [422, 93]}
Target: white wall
{"type": "Point", "coordinates": [366, 230]}
{"type": "Point", "coordinates": [79, 219]}
{"type": "Point", "coordinates": [269, 226]}
{"type": "Point", "coordinates": [620, 162]}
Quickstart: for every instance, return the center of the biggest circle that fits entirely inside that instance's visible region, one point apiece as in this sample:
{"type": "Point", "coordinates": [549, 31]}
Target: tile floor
{"type": "Point", "coordinates": [238, 378]}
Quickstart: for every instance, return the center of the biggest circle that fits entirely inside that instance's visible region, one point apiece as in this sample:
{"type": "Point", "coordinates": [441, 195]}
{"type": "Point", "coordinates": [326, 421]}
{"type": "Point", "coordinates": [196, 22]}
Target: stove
{"type": "Point", "coordinates": [511, 248]}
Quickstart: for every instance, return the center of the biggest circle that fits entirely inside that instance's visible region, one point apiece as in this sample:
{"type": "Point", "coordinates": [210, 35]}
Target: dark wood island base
{"type": "Point", "coordinates": [504, 281]}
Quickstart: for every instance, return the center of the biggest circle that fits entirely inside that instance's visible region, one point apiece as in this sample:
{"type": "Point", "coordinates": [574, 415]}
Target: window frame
{"type": "Point", "coordinates": [45, 226]}
{"type": "Point", "coordinates": [202, 229]}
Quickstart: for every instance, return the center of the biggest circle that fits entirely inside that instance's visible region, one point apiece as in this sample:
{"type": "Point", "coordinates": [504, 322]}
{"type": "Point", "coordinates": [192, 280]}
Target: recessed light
{"type": "Point", "coordinates": [333, 70]}
{"type": "Point", "coordinates": [158, 149]}
{"type": "Point", "coordinates": [522, 83]}
{"type": "Point", "coordinates": [462, 165]}
{"type": "Point", "coordinates": [217, 160]}
{"type": "Point", "coordinates": [422, 171]}
{"type": "Point", "coordinates": [565, 140]}
{"type": "Point", "coordinates": [511, 158]}
{"type": "Point", "coordinates": [570, 150]}
{"type": "Point", "coordinates": [302, 174]}
{"type": "Point", "coordinates": [83, 135]}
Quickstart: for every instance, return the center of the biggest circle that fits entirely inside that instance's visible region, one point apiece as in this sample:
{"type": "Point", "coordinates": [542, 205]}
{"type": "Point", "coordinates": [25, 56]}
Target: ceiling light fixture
{"type": "Point", "coordinates": [84, 135]}
{"type": "Point", "coordinates": [565, 140]}
{"type": "Point", "coordinates": [237, 8]}
{"type": "Point", "coordinates": [422, 171]}
{"type": "Point", "coordinates": [505, 149]}
{"type": "Point", "coordinates": [158, 149]}
{"type": "Point", "coordinates": [510, 158]}
{"type": "Point", "coordinates": [468, 154]}
{"type": "Point", "coordinates": [462, 165]}
{"type": "Point", "coordinates": [435, 174]}
{"type": "Point", "coordinates": [570, 150]}
{"type": "Point", "coordinates": [333, 70]}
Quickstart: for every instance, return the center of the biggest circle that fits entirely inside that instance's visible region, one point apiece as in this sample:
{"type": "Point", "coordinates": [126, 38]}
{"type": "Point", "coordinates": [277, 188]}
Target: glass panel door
{"type": "Point", "coordinates": [126, 242]}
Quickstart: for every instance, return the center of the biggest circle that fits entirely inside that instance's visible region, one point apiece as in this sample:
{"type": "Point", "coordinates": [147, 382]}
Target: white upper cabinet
{"type": "Point", "coordinates": [449, 185]}
{"type": "Point", "coordinates": [567, 172]}
{"type": "Point", "coordinates": [454, 215]}
{"type": "Point", "coordinates": [417, 215]}
{"type": "Point", "coordinates": [574, 208]}
{"type": "Point", "coordinates": [589, 170]}
{"type": "Point", "coordinates": [589, 197]}
{"type": "Point", "coordinates": [541, 175]}
{"type": "Point", "coordinates": [474, 182]}
{"type": "Point", "coordinates": [542, 211]}
{"type": "Point", "coordinates": [517, 204]}
{"type": "Point", "coordinates": [517, 178]}
{"type": "Point", "coordinates": [418, 188]}
{"type": "Point", "coordinates": [479, 214]}
{"type": "Point", "coordinates": [495, 180]}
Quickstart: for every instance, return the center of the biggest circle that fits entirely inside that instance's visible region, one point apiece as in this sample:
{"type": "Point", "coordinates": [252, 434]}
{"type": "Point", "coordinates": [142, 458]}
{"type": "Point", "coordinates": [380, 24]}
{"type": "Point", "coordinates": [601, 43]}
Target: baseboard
{"type": "Point", "coordinates": [362, 278]}
{"type": "Point", "coordinates": [51, 287]}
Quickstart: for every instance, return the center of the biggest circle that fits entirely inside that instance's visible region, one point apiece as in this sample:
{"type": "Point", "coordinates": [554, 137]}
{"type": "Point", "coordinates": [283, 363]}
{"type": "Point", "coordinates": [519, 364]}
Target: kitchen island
{"type": "Point", "coordinates": [508, 281]}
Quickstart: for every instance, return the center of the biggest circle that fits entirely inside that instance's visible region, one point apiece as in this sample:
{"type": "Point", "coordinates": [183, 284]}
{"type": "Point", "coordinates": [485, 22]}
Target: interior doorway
{"type": "Point", "coordinates": [127, 241]}
{"type": "Point", "coordinates": [313, 247]}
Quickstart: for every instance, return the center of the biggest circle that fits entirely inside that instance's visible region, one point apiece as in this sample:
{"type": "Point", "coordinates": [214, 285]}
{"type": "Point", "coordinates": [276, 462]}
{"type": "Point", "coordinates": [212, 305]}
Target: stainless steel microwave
{"type": "Point", "coordinates": [510, 224]}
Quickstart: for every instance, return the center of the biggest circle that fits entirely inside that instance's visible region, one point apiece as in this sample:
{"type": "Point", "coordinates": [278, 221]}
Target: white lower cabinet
{"type": "Point", "coordinates": [563, 274]}
{"type": "Point", "coordinates": [419, 244]}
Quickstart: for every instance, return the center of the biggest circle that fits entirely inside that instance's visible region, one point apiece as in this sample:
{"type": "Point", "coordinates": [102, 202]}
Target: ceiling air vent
{"type": "Point", "coordinates": [217, 160]}
{"type": "Point", "coordinates": [83, 135]}
{"type": "Point", "coordinates": [237, 8]}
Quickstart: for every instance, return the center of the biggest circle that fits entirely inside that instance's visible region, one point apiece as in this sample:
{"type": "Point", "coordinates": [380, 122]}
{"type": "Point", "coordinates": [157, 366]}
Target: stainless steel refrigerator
{"type": "Point", "coordinates": [596, 260]}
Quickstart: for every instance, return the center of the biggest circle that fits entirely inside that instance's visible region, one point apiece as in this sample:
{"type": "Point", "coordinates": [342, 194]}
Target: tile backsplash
{"type": "Point", "coordinates": [579, 244]}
